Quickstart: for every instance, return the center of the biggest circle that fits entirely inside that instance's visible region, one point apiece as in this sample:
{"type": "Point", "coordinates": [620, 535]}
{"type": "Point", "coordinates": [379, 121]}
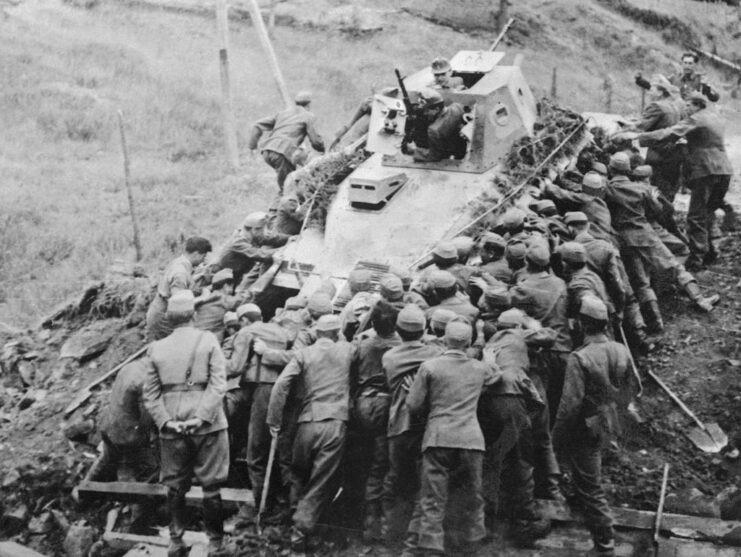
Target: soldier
{"type": "Point", "coordinates": [444, 125]}
{"type": "Point", "coordinates": [288, 130]}
{"type": "Point", "coordinates": [290, 216]}
{"type": "Point", "coordinates": [543, 296]}
{"type": "Point", "coordinates": [444, 258]}
{"type": "Point", "coordinates": [358, 125]}
{"type": "Point", "coordinates": [322, 374]}
{"type": "Point", "coordinates": [249, 250]}
{"type": "Point", "coordinates": [445, 290]}
{"type": "Point", "coordinates": [183, 391]}
{"type": "Point", "coordinates": [597, 386]}
{"type": "Point", "coordinates": [177, 276]}
{"type": "Point", "coordinates": [410, 296]}
{"type": "Point", "coordinates": [493, 262]}
{"type": "Point", "coordinates": [710, 173]}
{"type": "Point", "coordinates": [211, 309]}
{"type": "Point", "coordinates": [443, 74]}
{"type": "Point", "coordinates": [360, 285]}
{"type": "Point", "coordinates": [515, 256]}
{"type": "Point", "coordinates": [643, 250]}
{"type": "Point", "coordinates": [447, 390]}
{"type": "Point", "coordinates": [400, 364]}
{"type": "Point", "coordinates": [689, 80]}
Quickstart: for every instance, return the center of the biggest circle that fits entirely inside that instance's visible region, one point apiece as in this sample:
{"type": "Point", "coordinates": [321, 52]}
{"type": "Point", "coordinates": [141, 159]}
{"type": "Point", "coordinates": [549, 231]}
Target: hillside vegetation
{"type": "Point", "coordinates": [65, 71]}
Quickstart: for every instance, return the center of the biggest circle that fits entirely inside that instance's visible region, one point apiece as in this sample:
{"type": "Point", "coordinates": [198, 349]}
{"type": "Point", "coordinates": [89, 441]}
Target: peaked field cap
{"type": "Point", "coordinates": [359, 279]}
{"type": "Point", "coordinates": [599, 168]}
{"type": "Point", "coordinates": [493, 239]}
{"type": "Point", "coordinates": [320, 303]}
{"type": "Point", "coordinates": [182, 301]}
{"type": "Point", "coordinates": [411, 319]}
{"type": "Point", "coordinates": [497, 295]}
{"type": "Point", "coordinates": [517, 250]}
{"type": "Point", "coordinates": [329, 322]}
{"type": "Point", "coordinates": [513, 217]}
{"type": "Point", "coordinates": [230, 318]}
{"type": "Point", "coordinates": [620, 161]}
{"type": "Point", "coordinates": [302, 97]}
{"type": "Point", "coordinates": [248, 309]}
{"type": "Point", "coordinates": [440, 65]}
{"type": "Point", "coordinates": [458, 332]}
{"type": "Point", "coordinates": [430, 97]}
{"type": "Point", "coordinates": [575, 217]}
{"type": "Point", "coordinates": [442, 316]}
{"type": "Point", "coordinates": [593, 307]}
{"type": "Point", "coordinates": [514, 317]}
{"type": "Point", "coordinates": [445, 250]}
{"type": "Point", "coordinates": [255, 220]}
{"type": "Point", "coordinates": [463, 245]}
{"type": "Point", "coordinates": [296, 302]}
{"type": "Point", "coordinates": [573, 252]}
{"type": "Point", "coordinates": [643, 171]}
{"type": "Point", "coordinates": [403, 273]}
{"type": "Point", "coordinates": [391, 287]}
{"type": "Point", "coordinates": [593, 182]}
{"type": "Point", "coordinates": [224, 275]}
{"type": "Point", "coordinates": [442, 279]}
{"type": "Point", "coordinates": [538, 252]}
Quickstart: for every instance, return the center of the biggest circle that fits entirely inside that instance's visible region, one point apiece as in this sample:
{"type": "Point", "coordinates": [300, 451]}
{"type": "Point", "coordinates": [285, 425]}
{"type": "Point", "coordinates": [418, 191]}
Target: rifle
{"type": "Point", "coordinates": [411, 120]}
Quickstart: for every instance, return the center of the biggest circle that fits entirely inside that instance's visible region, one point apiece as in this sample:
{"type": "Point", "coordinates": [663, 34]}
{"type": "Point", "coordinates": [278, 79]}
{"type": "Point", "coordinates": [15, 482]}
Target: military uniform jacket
{"type": "Point", "coordinates": [596, 210]}
{"type": "Point", "coordinates": [499, 269]}
{"type": "Point", "coordinates": [656, 116]}
{"type": "Point", "coordinates": [706, 153]}
{"type": "Point", "coordinates": [401, 364]}
{"type": "Point", "coordinates": [444, 136]}
{"type": "Point", "coordinates": [507, 353]}
{"type": "Point", "coordinates": [543, 296]}
{"type": "Point", "coordinates": [242, 254]}
{"type": "Point", "coordinates": [125, 421]}
{"type": "Point", "coordinates": [322, 373]}
{"type": "Point", "coordinates": [693, 82]}
{"type": "Point", "coordinates": [243, 365]}
{"type": "Point", "coordinates": [177, 276]}
{"type": "Point", "coordinates": [459, 305]}
{"type": "Point", "coordinates": [290, 218]}
{"type": "Point", "coordinates": [603, 259]}
{"type": "Point", "coordinates": [582, 283]}
{"type": "Point", "coordinates": [447, 390]}
{"type": "Point", "coordinates": [210, 313]}
{"type": "Point", "coordinates": [369, 351]}
{"type": "Point", "coordinates": [630, 204]}
{"type": "Point", "coordinates": [288, 129]}
{"type": "Point", "coordinates": [170, 393]}
{"type": "Point", "coordinates": [597, 383]}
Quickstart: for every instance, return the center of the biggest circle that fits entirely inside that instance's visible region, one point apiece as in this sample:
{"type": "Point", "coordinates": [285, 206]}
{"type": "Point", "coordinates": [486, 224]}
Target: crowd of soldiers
{"type": "Point", "coordinates": [436, 403]}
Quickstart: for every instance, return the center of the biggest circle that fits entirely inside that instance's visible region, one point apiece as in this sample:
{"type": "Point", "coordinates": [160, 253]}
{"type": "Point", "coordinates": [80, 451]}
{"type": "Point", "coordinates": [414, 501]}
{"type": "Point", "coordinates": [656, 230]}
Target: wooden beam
{"type": "Point", "coordinates": [12, 549]}
{"type": "Point", "coordinates": [124, 542]}
{"type": "Point", "coordinates": [137, 491]}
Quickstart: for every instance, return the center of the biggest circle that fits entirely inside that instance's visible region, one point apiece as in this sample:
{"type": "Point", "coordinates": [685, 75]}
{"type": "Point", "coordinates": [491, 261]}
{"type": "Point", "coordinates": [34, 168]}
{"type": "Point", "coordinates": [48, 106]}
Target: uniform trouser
{"type": "Point", "coordinates": [586, 466]}
{"type": "Point", "coordinates": [207, 458]}
{"type": "Point", "coordinates": [555, 367]}
{"type": "Point", "coordinates": [402, 483]}
{"type": "Point", "coordinates": [158, 326]}
{"type": "Point", "coordinates": [641, 262]}
{"type": "Point", "coordinates": [666, 178]}
{"type": "Point", "coordinates": [317, 454]}
{"type": "Point", "coordinates": [706, 196]}
{"type": "Point", "coordinates": [281, 164]}
{"type": "Point", "coordinates": [379, 466]}
{"type": "Point", "coordinates": [238, 408]}
{"type": "Point", "coordinates": [507, 426]}
{"type": "Point", "coordinates": [259, 438]}
{"type": "Point", "coordinates": [438, 465]}
{"type": "Point", "coordinates": [123, 463]}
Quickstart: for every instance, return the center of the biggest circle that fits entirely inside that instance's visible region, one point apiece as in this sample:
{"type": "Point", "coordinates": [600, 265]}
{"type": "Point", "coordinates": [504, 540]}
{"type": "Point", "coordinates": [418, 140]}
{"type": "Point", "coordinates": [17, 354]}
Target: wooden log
{"type": "Point", "coordinates": [138, 491]}
{"type": "Point", "coordinates": [12, 549]}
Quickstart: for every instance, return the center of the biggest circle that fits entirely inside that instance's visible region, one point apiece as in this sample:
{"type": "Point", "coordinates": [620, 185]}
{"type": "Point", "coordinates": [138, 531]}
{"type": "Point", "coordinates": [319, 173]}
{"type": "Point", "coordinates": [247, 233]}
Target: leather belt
{"type": "Point", "coordinates": [183, 387]}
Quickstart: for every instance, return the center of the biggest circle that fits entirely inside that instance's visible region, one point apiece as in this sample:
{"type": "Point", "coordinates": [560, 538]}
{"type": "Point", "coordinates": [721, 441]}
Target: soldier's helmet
{"type": "Point", "coordinates": [440, 66]}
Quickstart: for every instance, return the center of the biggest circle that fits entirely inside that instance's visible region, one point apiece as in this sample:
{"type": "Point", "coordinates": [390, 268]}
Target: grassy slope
{"type": "Point", "coordinates": [64, 72]}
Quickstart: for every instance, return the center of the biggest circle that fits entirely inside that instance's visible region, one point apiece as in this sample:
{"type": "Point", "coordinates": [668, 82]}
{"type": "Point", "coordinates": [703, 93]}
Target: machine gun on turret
{"type": "Point", "coordinates": [412, 116]}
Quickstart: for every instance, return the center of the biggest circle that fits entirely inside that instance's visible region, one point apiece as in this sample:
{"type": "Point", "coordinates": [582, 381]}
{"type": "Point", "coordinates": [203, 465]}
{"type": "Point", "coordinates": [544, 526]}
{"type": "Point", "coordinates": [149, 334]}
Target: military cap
{"type": "Point", "coordinates": [442, 279]}
{"type": "Point", "coordinates": [182, 301]}
{"type": "Point", "coordinates": [593, 183]}
{"type": "Point", "coordinates": [575, 217]}
{"type": "Point", "coordinates": [463, 245]}
{"type": "Point", "coordinates": [403, 274]}
{"type": "Point", "coordinates": [696, 97]}
{"type": "Point", "coordinates": [534, 223]}
{"type": "Point", "coordinates": [513, 218]}
{"type": "Point", "coordinates": [224, 275]}
{"type": "Point", "coordinates": [620, 162]}
{"type": "Point", "coordinates": [493, 239]}
{"type": "Point", "coordinates": [445, 250]}
{"type": "Point", "coordinates": [320, 303]}
{"type": "Point", "coordinates": [544, 207]}
{"type": "Point", "coordinates": [230, 318]}
{"type": "Point", "coordinates": [391, 288]}
{"type": "Point", "coordinates": [643, 171]}
{"type": "Point", "coordinates": [458, 332]}
{"type": "Point", "coordinates": [440, 65]}
{"type": "Point", "coordinates": [390, 91]}
{"type": "Point", "coordinates": [430, 97]}
{"type": "Point", "coordinates": [328, 287]}
{"type": "Point", "coordinates": [328, 322]}
{"type": "Point", "coordinates": [593, 307]}
{"type": "Point", "coordinates": [248, 309]}
{"type": "Point", "coordinates": [538, 252]}
{"type": "Point", "coordinates": [516, 250]}
{"type": "Point", "coordinates": [441, 317]}
{"type": "Point", "coordinates": [302, 98]}
{"type": "Point", "coordinates": [359, 280]}
{"type": "Point", "coordinates": [497, 296]}
{"type": "Point", "coordinates": [599, 168]}
{"type": "Point", "coordinates": [411, 319]}
{"type": "Point", "coordinates": [296, 302]}
{"type": "Point", "coordinates": [573, 252]}
{"type": "Point", "coordinates": [255, 220]}
{"type": "Point", "coordinates": [512, 318]}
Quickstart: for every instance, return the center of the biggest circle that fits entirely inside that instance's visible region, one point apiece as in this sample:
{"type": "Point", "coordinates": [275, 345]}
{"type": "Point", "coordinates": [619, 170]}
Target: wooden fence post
{"type": "Point", "coordinates": [554, 84]}
{"type": "Point", "coordinates": [262, 34]}
{"type": "Point", "coordinates": [227, 109]}
{"type": "Point", "coordinates": [127, 183]}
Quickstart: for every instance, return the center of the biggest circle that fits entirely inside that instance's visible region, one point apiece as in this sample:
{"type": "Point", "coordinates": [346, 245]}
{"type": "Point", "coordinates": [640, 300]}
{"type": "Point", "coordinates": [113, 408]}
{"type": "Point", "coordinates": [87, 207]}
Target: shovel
{"type": "Point", "coordinates": [660, 510]}
{"type": "Point", "coordinates": [709, 438]}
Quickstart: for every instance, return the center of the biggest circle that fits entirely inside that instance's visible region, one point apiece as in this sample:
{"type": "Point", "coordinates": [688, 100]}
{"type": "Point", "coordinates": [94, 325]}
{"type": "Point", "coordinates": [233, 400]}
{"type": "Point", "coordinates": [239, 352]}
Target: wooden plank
{"type": "Point", "coordinates": [125, 542]}
{"type": "Point", "coordinates": [136, 491]}
{"type": "Point", "coordinates": [644, 520]}
{"type": "Point", "coordinates": [12, 549]}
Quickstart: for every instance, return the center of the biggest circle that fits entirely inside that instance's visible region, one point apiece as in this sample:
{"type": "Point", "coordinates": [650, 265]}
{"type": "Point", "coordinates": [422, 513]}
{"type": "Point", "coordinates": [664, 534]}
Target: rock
{"type": "Point", "coordinates": [89, 341]}
{"type": "Point", "coordinates": [11, 477]}
{"type": "Point", "coordinates": [692, 501]}
{"type": "Point", "coordinates": [27, 370]}
{"type": "Point", "coordinates": [61, 520]}
{"type": "Point", "coordinates": [78, 431]}
{"type": "Point", "coordinates": [28, 399]}
{"type": "Point", "coordinates": [41, 524]}
{"type": "Point", "coordinates": [729, 501]}
{"type": "Point", "coordinates": [14, 520]}
{"type": "Point", "coordinates": [80, 538]}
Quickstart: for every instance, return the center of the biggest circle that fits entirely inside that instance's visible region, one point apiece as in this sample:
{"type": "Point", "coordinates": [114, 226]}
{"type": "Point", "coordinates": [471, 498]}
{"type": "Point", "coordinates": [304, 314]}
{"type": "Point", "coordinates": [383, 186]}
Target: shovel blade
{"type": "Point", "coordinates": [712, 439]}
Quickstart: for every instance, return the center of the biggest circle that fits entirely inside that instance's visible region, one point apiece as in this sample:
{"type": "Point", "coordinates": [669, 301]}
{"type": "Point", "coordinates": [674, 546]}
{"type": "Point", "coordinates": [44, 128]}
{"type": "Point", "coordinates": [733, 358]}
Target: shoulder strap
{"type": "Point", "coordinates": [192, 359]}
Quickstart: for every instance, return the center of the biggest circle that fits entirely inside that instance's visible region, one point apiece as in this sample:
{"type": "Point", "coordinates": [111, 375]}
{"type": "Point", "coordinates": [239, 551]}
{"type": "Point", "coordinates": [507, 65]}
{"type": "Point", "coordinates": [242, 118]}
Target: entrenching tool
{"type": "Point", "coordinates": [709, 438]}
{"type": "Point", "coordinates": [632, 364]}
{"type": "Point", "coordinates": [266, 484]}
{"type": "Point", "coordinates": [660, 510]}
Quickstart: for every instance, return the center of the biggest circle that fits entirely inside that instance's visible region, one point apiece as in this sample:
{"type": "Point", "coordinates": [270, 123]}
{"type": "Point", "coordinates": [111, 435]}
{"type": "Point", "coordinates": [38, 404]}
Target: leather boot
{"type": "Point", "coordinates": [701, 302]}
{"type": "Point", "coordinates": [604, 542]}
{"type": "Point", "coordinates": [176, 508]}
{"type": "Point", "coordinates": [213, 522]}
{"type": "Point", "coordinates": [652, 315]}
{"type": "Point", "coordinates": [372, 523]}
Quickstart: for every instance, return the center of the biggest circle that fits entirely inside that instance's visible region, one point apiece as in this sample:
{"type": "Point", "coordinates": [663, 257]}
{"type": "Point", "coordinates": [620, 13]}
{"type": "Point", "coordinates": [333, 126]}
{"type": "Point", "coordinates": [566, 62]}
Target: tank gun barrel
{"type": "Point", "coordinates": [501, 35]}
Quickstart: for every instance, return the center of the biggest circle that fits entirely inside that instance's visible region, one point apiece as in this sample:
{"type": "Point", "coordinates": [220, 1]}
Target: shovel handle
{"type": "Point", "coordinates": [660, 510]}
{"type": "Point", "coordinates": [676, 399]}
{"type": "Point", "coordinates": [266, 484]}
{"type": "Point", "coordinates": [632, 364]}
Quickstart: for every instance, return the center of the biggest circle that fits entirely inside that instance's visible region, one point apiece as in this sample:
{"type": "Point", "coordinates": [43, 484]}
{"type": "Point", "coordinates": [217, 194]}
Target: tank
{"type": "Point", "coordinates": [392, 210]}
